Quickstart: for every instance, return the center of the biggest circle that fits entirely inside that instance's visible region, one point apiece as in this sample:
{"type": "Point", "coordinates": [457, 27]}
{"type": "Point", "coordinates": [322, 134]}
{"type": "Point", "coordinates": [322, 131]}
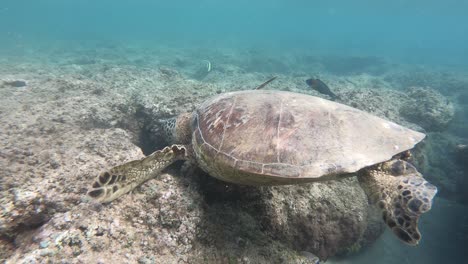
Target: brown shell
{"type": "Point", "coordinates": [274, 137]}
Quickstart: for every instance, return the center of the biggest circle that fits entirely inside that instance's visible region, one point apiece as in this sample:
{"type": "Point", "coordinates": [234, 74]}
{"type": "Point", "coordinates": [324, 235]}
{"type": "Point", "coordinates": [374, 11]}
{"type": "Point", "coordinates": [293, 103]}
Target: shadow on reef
{"type": "Point", "coordinates": [150, 133]}
{"type": "Point", "coordinates": [309, 217]}
{"type": "Point", "coordinates": [145, 127]}
{"type": "Point", "coordinates": [461, 158]}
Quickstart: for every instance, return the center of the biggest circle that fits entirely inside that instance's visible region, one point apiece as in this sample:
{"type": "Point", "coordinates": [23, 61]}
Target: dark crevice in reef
{"type": "Point", "coordinates": [215, 191]}
{"type": "Point", "coordinates": [7, 247]}
{"type": "Point", "coordinates": [460, 157]}
{"type": "Point", "coordinates": [30, 225]}
{"type": "Point", "coordinates": [7, 241]}
{"type": "Point", "coordinates": [140, 121]}
{"type": "Point", "coordinates": [143, 123]}
{"type": "Point", "coordinates": [149, 133]}
{"type": "Point", "coordinates": [146, 141]}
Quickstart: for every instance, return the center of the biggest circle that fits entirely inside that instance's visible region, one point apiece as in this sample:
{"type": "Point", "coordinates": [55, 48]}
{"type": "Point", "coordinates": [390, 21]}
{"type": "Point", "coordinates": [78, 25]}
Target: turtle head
{"type": "Point", "coordinates": [402, 194]}
{"type": "Point", "coordinates": [178, 129]}
{"type": "Point", "coordinates": [412, 197]}
{"type": "Point", "coordinates": [403, 214]}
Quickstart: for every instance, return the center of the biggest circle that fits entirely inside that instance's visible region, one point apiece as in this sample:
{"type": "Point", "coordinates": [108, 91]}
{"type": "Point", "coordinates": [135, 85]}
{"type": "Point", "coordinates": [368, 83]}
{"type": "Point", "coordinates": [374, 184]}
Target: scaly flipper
{"type": "Point", "coordinates": [402, 194]}
{"type": "Point", "coordinates": [119, 180]}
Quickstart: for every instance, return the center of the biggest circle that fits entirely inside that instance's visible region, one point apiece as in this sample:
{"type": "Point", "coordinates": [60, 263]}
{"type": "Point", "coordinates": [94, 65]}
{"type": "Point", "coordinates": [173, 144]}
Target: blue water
{"type": "Point", "coordinates": [415, 31]}
{"type": "Point", "coordinates": [429, 34]}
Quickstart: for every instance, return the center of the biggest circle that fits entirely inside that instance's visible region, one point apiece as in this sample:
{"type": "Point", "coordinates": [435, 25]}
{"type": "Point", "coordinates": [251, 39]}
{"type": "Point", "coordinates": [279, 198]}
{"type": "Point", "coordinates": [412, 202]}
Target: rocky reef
{"type": "Point", "coordinates": [461, 158]}
{"type": "Point", "coordinates": [69, 124]}
{"type": "Point", "coordinates": [77, 117]}
{"type": "Point", "coordinates": [428, 108]}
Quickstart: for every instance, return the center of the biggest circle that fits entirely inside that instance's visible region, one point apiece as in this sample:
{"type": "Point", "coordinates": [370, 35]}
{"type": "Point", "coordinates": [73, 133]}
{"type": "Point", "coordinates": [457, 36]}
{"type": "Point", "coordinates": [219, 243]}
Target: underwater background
{"type": "Point", "coordinates": [83, 84]}
{"type": "Point", "coordinates": [407, 31]}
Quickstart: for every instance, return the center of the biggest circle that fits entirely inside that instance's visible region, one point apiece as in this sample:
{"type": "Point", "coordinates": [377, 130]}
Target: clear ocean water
{"type": "Point", "coordinates": [413, 31]}
{"type": "Point", "coordinates": [429, 36]}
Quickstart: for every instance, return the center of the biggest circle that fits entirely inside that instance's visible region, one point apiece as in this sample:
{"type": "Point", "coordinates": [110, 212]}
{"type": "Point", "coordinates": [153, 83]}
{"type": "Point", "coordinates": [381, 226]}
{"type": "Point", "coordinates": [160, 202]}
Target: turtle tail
{"type": "Point", "coordinates": [402, 194]}
{"type": "Point", "coordinates": [119, 180]}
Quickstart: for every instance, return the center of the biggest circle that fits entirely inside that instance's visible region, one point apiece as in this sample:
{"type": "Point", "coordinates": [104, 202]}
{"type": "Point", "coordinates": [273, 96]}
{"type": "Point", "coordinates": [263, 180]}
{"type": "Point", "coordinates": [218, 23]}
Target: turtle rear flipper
{"type": "Point", "coordinates": [119, 180]}
{"type": "Point", "coordinates": [402, 194]}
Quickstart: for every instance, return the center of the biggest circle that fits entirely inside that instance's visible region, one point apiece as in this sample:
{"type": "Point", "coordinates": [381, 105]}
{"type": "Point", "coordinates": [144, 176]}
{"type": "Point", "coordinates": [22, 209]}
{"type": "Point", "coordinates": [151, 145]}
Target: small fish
{"type": "Point", "coordinates": [265, 83]}
{"type": "Point", "coordinates": [15, 84]}
{"type": "Point", "coordinates": [320, 87]}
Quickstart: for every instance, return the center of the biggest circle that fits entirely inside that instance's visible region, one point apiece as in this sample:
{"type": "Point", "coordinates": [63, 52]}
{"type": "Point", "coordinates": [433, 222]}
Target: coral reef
{"type": "Point", "coordinates": [438, 158]}
{"type": "Point", "coordinates": [445, 81]}
{"type": "Point", "coordinates": [80, 114]}
{"type": "Point", "coordinates": [428, 108]}
{"type": "Point", "coordinates": [461, 157]}
{"type": "Point", "coordinates": [461, 152]}
{"type": "Point", "coordinates": [71, 123]}
{"type": "Point", "coordinates": [319, 217]}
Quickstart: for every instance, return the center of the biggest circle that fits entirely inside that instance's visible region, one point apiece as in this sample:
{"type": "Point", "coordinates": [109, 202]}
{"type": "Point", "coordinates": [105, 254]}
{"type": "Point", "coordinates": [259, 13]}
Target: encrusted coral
{"type": "Point", "coordinates": [67, 129]}
{"type": "Point", "coordinates": [427, 108]}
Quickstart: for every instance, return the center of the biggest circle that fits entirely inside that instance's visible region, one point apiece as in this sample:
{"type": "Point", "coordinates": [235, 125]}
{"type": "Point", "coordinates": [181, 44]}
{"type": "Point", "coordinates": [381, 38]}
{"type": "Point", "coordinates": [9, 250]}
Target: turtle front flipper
{"type": "Point", "coordinates": [119, 180]}
{"type": "Point", "coordinates": [402, 194]}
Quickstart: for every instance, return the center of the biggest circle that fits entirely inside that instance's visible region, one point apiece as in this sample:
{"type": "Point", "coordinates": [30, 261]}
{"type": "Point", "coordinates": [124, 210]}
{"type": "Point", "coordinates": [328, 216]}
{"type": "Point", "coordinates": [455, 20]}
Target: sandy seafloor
{"type": "Point", "coordinates": [86, 108]}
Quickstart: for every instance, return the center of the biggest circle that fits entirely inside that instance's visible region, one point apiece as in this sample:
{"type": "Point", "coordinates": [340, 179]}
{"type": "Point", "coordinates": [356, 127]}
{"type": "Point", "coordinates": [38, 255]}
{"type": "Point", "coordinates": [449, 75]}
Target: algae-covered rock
{"type": "Point", "coordinates": [461, 152]}
{"type": "Point", "coordinates": [440, 158]}
{"type": "Point", "coordinates": [461, 157]}
{"type": "Point", "coordinates": [428, 108]}
{"type": "Point", "coordinates": [68, 128]}
{"type": "Point", "coordinates": [323, 218]}
{"type": "Point", "coordinates": [199, 219]}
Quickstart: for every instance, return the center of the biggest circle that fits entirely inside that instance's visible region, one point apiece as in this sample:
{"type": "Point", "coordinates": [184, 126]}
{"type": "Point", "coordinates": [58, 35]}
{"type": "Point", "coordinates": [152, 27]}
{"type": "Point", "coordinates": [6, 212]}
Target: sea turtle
{"type": "Point", "coordinates": [269, 137]}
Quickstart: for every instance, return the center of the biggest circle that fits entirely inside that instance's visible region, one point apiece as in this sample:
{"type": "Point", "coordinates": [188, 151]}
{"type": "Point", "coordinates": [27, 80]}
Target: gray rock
{"type": "Point", "coordinates": [428, 108]}
{"type": "Point", "coordinates": [44, 244]}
